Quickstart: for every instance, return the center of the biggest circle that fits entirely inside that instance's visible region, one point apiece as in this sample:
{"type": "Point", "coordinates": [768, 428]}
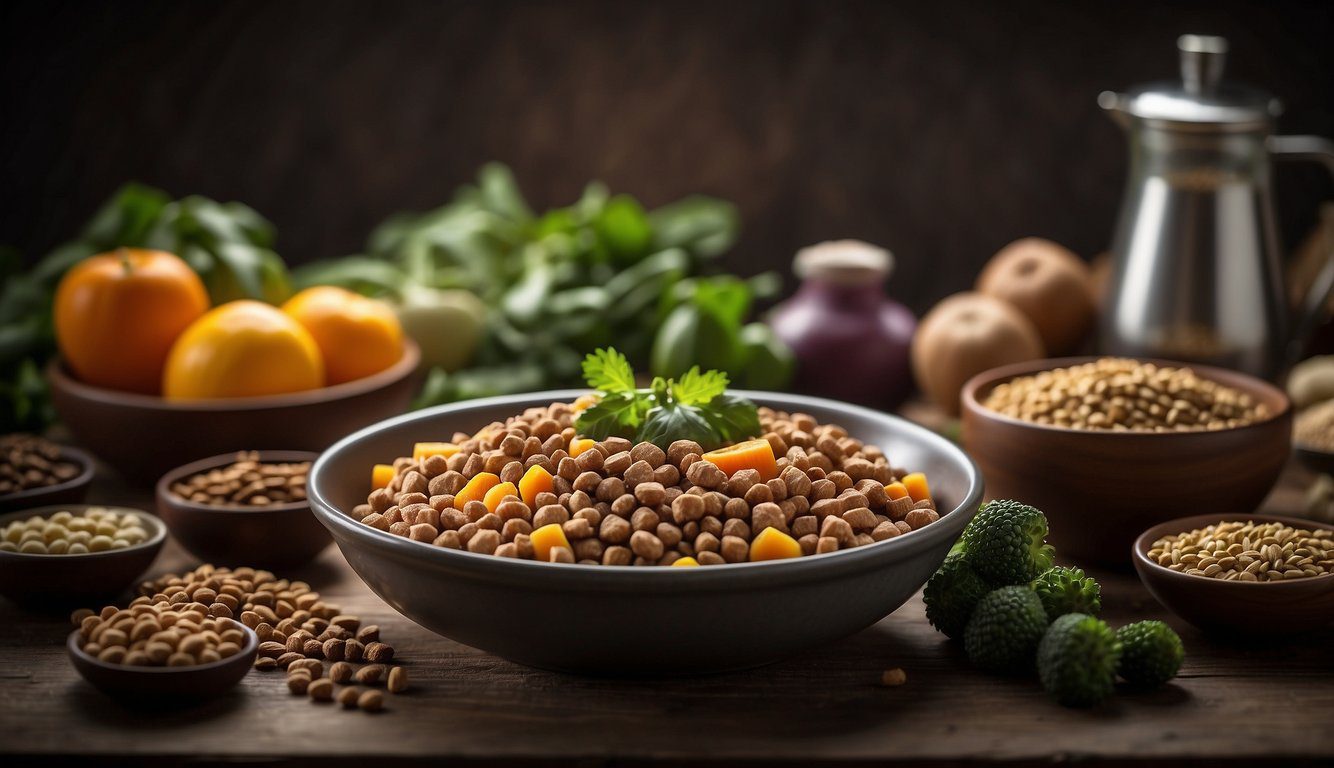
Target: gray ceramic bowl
{"type": "Point", "coordinates": [626, 621]}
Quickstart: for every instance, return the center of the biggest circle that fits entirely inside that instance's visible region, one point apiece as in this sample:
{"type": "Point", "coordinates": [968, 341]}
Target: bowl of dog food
{"type": "Point", "coordinates": [500, 523]}
{"type": "Point", "coordinates": [74, 552]}
{"type": "Point", "coordinates": [1110, 446]}
{"type": "Point", "coordinates": [35, 472]}
{"type": "Point", "coordinates": [1252, 574]}
{"type": "Point", "coordinates": [248, 506]}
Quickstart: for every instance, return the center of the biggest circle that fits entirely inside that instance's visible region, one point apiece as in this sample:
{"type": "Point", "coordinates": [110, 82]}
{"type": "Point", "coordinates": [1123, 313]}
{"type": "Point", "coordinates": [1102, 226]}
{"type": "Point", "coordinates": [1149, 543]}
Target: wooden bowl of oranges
{"type": "Point", "coordinates": [150, 375]}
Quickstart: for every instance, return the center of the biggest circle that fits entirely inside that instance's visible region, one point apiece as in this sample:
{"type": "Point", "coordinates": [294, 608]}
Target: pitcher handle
{"type": "Point", "coordinates": [1321, 150]}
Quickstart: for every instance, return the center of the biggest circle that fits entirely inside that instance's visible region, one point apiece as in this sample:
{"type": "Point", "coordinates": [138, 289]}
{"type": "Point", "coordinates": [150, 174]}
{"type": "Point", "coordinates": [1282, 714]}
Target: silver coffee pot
{"type": "Point", "coordinates": [1197, 274]}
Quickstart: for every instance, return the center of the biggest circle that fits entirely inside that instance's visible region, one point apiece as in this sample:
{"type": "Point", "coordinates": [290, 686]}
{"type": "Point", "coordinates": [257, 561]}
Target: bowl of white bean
{"type": "Point", "coordinates": [66, 553]}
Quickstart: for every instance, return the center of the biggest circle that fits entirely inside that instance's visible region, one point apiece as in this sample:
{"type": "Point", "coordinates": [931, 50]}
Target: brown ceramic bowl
{"type": "Point", "coordinates": [1270, 608]}
{"type": "Point", "coordinates": [71, 491]}
{"type": "Point", "coordinates": [59, 580]}
{"type": "Point", "coordinates": [280, 536]}
{"type": "Point", "coordinates": [142, 436]}
{"type": "Point", "coordinates": [164, 685]}
{"type": "Point", "coordinates": [1100, 489]}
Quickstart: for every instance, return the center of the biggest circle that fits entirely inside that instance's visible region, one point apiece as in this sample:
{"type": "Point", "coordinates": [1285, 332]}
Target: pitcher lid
{"type": "Point", "coordinates": [1201, 99]}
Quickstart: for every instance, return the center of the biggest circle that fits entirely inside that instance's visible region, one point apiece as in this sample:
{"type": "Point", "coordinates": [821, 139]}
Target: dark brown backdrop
{"type": "Point", "coordinates": [940, 129]}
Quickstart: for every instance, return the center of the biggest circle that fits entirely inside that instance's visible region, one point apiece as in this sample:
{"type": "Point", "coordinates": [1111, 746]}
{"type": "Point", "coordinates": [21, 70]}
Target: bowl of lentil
{"type": "Point", "coordinates": [58, 554]}
{"type": "Point", "coordinates": [1094, 442]}
{"type": "Point", "coordinates": [1255, 574]}
{"type": "Point", "coordinates": [35, 472]}
{"type": "Point", "coordinates": [249, 506]}
{"type": "Point", "coordinates": [574, 613]}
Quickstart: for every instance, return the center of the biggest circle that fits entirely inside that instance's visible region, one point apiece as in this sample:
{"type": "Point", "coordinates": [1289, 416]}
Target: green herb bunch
{"type": "Point", "coordinates": [695, 406]}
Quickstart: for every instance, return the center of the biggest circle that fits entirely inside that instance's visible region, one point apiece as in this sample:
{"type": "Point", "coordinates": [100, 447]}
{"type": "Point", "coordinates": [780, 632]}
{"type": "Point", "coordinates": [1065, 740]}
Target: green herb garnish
{"type": "Point", "coordinates": [694, 407]}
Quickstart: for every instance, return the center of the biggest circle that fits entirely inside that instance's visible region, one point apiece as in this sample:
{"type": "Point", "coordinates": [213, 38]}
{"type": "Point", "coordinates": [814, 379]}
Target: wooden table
{"type": "Point", "coordinates": [1234, 703]}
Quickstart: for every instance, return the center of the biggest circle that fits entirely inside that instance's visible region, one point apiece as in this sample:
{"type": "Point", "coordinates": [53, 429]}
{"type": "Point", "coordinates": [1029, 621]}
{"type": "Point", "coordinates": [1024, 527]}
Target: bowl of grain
{"type": "Point", "coordinates": [1108, 447]}
{"type": "Point", "coordinates": [249, 507]}
{"type": "Point", "coordinates": [613, 601]}
{"type": "Point", "coordinates": [1255, 574]}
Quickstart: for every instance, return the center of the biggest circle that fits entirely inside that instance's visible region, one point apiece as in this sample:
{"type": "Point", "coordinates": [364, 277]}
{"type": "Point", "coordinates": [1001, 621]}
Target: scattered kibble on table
{"type": "Point", "coordinates": [1248, 551]}
{"type": "Point", "coordinates": [96, 529]}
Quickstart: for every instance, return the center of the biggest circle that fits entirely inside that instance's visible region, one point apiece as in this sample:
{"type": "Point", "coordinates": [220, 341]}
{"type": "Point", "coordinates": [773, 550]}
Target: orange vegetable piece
{"type": "Point", "coordinates": [773, 544]}
{"type": "Point", "coordinates": [581, 444]}
{"type": "Point", "coordinates": [546, 538]}
{"type": "Point", "coordinates": [690, 561]}
{"type": "Point", "coordinates": [425, 450]}
{"type": "Point", "coordinates": [381, 476]}
{"type": "Point", "coordinates": [536, 480]}
{"type": "Point", "coordinates": [357, 336]}
{"type": "Point", "coordinates": [916, 485]}
{"type": "Point", "coordinates": [476, 489]}
{"type": "Point", "coordinates": [751, 454]}
{"type": "Point", "coordinates": [896, 490]}
{"type": "Point", "coordinates": [584, 402]}
{"type": "Point", "coordinates": [494, 496]}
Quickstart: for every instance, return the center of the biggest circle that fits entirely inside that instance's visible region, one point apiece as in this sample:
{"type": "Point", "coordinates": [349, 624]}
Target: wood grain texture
{"type": "Point", "coordinates": [1232, 704]}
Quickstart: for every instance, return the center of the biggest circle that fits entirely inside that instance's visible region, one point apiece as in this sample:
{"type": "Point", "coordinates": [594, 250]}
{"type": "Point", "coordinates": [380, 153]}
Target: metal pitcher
{"type": "Point", "coordinates": [1197, 273]}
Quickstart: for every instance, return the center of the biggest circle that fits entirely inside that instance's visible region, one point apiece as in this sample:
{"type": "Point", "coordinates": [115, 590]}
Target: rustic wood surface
{"type": "Point", "coordinates": [1234, 702]}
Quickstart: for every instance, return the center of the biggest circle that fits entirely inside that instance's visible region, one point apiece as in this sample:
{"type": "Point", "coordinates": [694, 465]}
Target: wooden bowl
{"type": "Point", "coordinates": [71, 491]}
{"type": "Point", "coordinates": [142, 436]}
{"type": "Point", "coordinates": [61, 580]}
{"type": "Point", "coordinates": [1100, 489]}
{"type": "Point", "coordinates": [164, 685]}
{"type": "Point", "coordinates": [1269, 608]}
{"type": "Point", "coordinates": [276, 537]}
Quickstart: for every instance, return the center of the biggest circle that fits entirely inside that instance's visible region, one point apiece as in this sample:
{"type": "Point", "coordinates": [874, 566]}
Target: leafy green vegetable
{"type": "Point", "coordinates": [733, 417]}
{"type": "Point", "coordinates": [674, 421]}
{"type": "Point", "coordinates": [609, 371]}
{"type": "Point", "coordinates": [695, 388]}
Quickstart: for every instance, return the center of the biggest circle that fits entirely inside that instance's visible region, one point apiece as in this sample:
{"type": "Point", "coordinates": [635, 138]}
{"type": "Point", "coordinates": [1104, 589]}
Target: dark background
{"type": "Point", "coordinates": [941, 129]}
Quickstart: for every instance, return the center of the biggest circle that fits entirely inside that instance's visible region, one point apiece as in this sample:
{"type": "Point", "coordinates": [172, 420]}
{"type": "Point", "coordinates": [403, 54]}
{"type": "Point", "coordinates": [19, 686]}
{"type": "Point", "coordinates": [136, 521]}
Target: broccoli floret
{"type": "Point", "coordinates": [1005, 543]}
{"type": "Point", "coordinates": [1067, 590]}
{"type": "Point", "coordinates": [1005, 629]}
{"type": "Point", "coordinates": [1151, 653]}
{"type": "Point", "coordinates": [951, 594]}
{"type": "Point", "coordinates": [1077, 660]}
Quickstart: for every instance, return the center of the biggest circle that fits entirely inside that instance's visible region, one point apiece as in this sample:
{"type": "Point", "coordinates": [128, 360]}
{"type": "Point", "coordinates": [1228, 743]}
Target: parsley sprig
{"type": "Point", "coordinates": [695, 407]}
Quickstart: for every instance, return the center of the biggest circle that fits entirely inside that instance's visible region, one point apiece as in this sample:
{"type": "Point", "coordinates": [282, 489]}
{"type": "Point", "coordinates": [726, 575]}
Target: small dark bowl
{"type": "Point", "coordinates": [1268, 608]}
{"type": "Point", "coordinates": [280, 536]}
{"type": "Point", "coordinates": [1099, 488]}
{"type": "Point", "coordinates": [67, 579]}
{"type": "Point", "coordinates": [71, 491]}
{"type": "Point", "coordinates": [142, 436]}
{"type": "Point", "coordinates": [1315, 459]}
{"type": "Point", "coordinates": [164, 685]}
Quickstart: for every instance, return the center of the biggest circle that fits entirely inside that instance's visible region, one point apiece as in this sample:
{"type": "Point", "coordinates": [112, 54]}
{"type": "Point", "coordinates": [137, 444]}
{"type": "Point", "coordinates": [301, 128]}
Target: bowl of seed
{"type": "Point", "coordinates": [248, 507]}
{"type": "Point", "coordinates": [36, 472]}
{"type": "Point", "coordinates": [165, 651]}
{"type": "Point", "coordinates": [1255, 574]}
{"type": "Point", "coordinates": [64, 553]}
{"type": "Point", "coordinates": [1110, 446]}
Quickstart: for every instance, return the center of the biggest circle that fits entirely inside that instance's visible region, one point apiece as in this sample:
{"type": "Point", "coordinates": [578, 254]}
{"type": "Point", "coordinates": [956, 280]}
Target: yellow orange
{"type": "Point", "coordinates": [357, 336]}
{"type": "Point", "coordinates": [242, 349]}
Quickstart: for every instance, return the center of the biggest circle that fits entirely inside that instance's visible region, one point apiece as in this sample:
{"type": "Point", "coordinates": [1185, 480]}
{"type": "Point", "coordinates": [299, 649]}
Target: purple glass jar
{"type": "Point", "coordinates": [851, 340]}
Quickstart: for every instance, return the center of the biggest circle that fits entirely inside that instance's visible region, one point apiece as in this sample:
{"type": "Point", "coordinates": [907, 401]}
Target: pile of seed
{"type": "Point", "coordinates": [97, 529]}
{"type": "Point", "coordinates": [620, 503]}
{"type": "Point", "coordinates": [247, 482]}
{"type": "Point", "coordinates": [306, 677]}
{"type": "Point", "coordinates": [1125, 395]}
{"type": "Point", "coordinates": [1314, 427]}
{"type": "Point", "coordinates": [1248, 552]}
{"type": "Point", "coordinates": [158, 634]}
{"type": "Point", "coordinates": [28, 461]}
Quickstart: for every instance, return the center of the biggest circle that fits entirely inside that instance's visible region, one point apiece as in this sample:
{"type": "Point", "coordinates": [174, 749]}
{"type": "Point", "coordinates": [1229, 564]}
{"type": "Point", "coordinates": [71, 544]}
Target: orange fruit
{"type": "Point", "coordinates": [242, 349]}
{"type": "Point", "coordinates": [117, 315]}
{"type": "Point", "coordinates": [357, 336]}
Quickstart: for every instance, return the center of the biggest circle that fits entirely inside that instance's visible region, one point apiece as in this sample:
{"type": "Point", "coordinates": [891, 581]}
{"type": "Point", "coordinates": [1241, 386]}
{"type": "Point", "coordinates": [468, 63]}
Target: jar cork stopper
{"type": "Point", "coordinates": [843, 261]}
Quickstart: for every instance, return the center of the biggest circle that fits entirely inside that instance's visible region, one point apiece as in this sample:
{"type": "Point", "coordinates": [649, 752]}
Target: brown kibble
{"type": "Point", "coordinates": [265, 663]}
{"type": "Point", "coordinates": [368, 634]}
{"type": "Point", "coordinates": [893, 677]}
{"type": "Point", "coordinates": [321, 690]}
{"type": "Point", "coordinates": [332, 649]}
{"type": "Point", "coordinates": [349, 696]}
{"type": "Point", "coordinates": [271, 649]}
{"type": "Point", "coordinates": [371, 701]}
{"type": "Point", "coordinates": [398, 680]}
{"type": "Point", "coordinates": [379, 652]}
{"type": "Point", "coordinates": [370, 674]}
{"type": "Point", "coordinates": [298, 685]}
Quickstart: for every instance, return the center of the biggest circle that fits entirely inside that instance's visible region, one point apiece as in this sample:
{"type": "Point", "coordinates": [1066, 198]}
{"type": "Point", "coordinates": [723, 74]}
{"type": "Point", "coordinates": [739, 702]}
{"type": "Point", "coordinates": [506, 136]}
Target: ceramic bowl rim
{"type": "Point", "coordinates": [167, 496]}
{"type": "Point", "coordinates": [85, 476]}
{"type": "Point", "coordinates": [1143, 542]}
{"type": "Point", "coordinates": [529, 574]}
{"type": "Point", "coordinates": [995, 376]}
{"type": "Point", "coordinates": [156, 523]}
{"type": "Point", "coordinates": [404, 367]}
{"type": "Point", "coordinates": [251, 645]}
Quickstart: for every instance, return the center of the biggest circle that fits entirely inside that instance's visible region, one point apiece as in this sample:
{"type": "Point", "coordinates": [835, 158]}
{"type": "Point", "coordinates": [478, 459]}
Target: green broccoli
{"type": "Point", "coordinates": [951, 594]}
{"type": "Point", "coordinates": [1151, 653]}
{"type": "Point", "coordinates": [1077, 660]}
{"type": "Point", "coordinates": [1005, 543]}
{"type": "Point", "coordinates": [1067, 590]}
{"type": "Point", "coordinates": [1005, 629]}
